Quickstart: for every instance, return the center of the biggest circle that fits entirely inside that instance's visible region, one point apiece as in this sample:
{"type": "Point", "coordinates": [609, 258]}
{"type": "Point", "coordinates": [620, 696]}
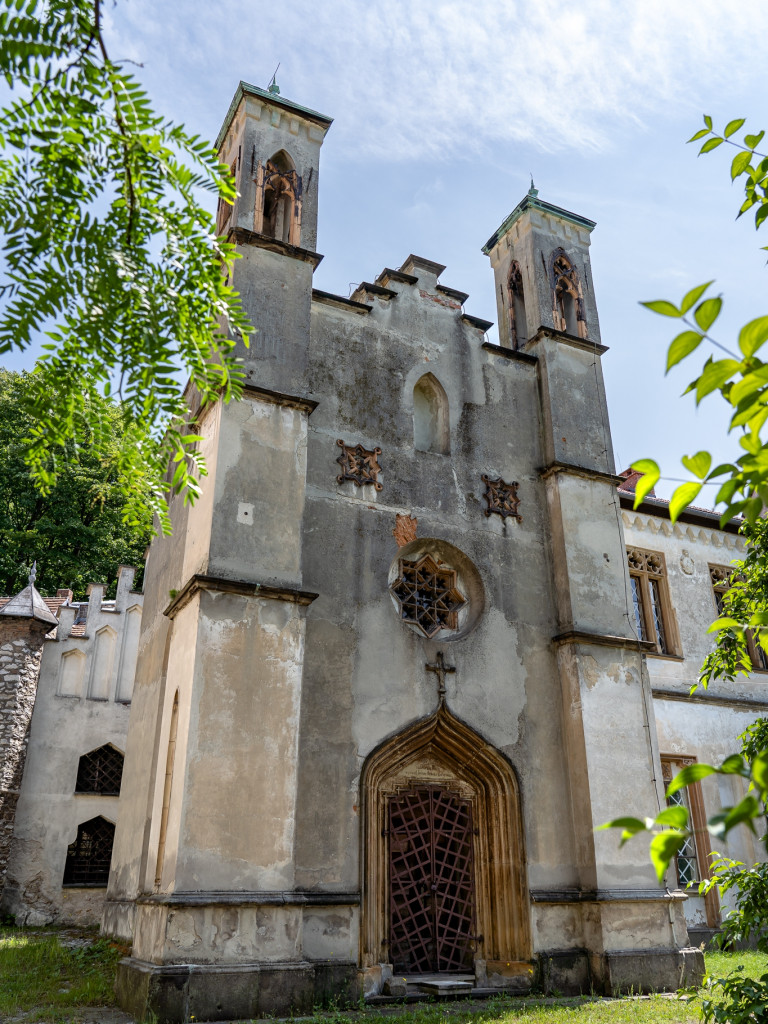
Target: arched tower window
{"type": "Point", "coordinates": [518, 325]}
{"type": "Point", "coordinates": [431, 426]}
{"type": "Point", "coordinates": [278, 199]}
{"type": "Point", "coordinates": [568, 302]}
{"type": "Point", "coordinates": [89, 856]}
{"type": "Point", "coordinates": [100, 771]}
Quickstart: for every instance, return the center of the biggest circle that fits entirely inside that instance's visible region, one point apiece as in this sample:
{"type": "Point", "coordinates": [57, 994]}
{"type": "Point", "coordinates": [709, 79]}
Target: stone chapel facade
{"type": "Point", "coordinates": [390, 679]}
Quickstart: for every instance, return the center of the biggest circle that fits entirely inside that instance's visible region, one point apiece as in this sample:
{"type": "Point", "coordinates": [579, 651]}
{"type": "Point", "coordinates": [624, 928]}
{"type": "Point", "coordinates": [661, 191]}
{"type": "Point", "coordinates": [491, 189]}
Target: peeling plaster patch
{"type": "Point", "coordinates": [245, 513]}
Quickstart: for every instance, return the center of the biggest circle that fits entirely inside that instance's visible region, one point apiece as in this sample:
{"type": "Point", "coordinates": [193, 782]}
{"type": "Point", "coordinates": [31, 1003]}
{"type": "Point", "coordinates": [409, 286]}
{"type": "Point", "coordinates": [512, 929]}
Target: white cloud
{"type": "Point", "coordinates": [429, 78]}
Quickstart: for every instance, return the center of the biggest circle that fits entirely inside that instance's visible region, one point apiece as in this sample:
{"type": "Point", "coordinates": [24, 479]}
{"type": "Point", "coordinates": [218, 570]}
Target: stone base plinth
{"type": "Point", "coordinates": [176, 993]}
{"type": "Point", "coordinates": [571, 972]}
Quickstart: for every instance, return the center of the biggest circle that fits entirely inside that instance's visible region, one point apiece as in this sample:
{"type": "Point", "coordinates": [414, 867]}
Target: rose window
{"type": "Point", "coordinates": [428, 596]}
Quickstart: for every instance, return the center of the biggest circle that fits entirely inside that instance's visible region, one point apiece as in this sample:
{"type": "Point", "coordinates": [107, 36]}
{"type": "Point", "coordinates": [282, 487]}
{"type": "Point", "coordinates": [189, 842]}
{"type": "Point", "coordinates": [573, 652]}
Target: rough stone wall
{"type": "Point", "coordinates": [21, 648]}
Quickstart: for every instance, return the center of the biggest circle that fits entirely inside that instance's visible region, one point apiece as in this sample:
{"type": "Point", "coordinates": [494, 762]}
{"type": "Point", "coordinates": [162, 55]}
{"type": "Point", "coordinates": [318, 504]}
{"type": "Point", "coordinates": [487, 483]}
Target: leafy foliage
{"type": "Point", "coordinates": [109, 252]}
{"type": "Point", "coordinates": [735, 999]}
{"type": "Point", "coordinates": [745, 609]}
{"type": "Point", "coordinates": [76, 531]}
{"type": "Point", "coordinates": [741, 379]}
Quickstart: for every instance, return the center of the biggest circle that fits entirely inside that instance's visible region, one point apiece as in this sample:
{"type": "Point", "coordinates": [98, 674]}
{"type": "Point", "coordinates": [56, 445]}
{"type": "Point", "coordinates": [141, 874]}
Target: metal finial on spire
{"type": "Point", "coordinates": [273, 87]}
{"type": "Point", "coordinates": [33, 574]}
{"type": "Point", "coordinates": [533, 191]}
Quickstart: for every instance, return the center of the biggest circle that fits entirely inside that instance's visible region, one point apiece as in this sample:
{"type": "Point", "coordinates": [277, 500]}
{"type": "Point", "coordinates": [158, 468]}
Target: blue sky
{"type": "Point", "coordinates": [443, 109]}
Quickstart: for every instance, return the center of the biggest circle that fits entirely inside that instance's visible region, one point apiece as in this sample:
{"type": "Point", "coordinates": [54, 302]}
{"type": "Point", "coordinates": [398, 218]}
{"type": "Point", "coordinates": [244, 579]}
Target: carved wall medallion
{"type": "Point", "coordinates": [501, 497]}
{"type": "Point", "coordinates": [359, 464]}
{"type": "Point", "coordinates": [405, 529]}
{"type": "Point", "coordinates": [686, 563]}
{"type": "Point", "coordinates": [428, 596]}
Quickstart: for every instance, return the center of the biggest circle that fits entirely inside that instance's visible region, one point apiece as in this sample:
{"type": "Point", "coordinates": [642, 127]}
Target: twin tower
{"type": "Point", "coordinates": [387, 684]}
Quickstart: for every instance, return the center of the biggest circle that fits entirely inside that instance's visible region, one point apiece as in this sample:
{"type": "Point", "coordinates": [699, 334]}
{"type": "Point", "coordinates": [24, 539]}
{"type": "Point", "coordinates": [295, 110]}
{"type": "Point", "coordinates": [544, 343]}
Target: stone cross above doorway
{"type": "Point", "coordinates": [440, 669]}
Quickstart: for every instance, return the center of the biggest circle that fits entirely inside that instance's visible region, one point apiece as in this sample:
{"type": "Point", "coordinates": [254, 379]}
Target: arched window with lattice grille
{"type": "Point", "coordinates": [88, 857]}
{"type": "Point", "coordinates": [100, 771]}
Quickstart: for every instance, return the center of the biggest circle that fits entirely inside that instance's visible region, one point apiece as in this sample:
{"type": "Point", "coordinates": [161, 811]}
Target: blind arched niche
{"type": "Point", "coordinates": [431, 421]}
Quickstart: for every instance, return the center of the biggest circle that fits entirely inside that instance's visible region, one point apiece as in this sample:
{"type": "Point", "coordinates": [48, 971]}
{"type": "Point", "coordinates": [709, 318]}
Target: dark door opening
{"type": "Point", "coordinates": [431, 882]}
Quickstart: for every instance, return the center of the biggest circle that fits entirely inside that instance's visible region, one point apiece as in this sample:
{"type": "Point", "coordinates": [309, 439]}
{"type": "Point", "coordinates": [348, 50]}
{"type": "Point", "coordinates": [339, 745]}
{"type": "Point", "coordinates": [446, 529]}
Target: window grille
{"type": "Point", "coordinates": [650, 599]}
{"type": "Point", "coordinates": [89, 856]}
{"type": "Point", "coordinates": [100, 772]}
{"type": "Point", "coordinates": [721, 577]}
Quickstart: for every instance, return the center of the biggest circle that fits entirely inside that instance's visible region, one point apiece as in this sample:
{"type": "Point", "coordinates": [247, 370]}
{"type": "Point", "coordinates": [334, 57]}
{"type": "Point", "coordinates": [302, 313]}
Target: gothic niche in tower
{"type": "Point", "coordinates": [431, 427]}
{"type": "Point", "coordinates": [278, 199]}
{"type": "Point", "coordinates": [518, 327]}
{"type": "Point", "coordinates": [568, 306]}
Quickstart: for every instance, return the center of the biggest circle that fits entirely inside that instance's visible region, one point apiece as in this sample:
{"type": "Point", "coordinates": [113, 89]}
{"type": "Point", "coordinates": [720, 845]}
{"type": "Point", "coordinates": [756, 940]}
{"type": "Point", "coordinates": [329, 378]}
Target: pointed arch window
{"type": "Point", "coordinates": [431, 426]}
{"type": "Point", "coordinates": [88, 857]}
{"type": "Point", "coordinates": [568, 302]}
{"type": "Point", "coordinates": [100, 771]}
{"type": "Point", "coordinates": [278, 199]}
{"type": "Point", "coordinates": [518, 325]}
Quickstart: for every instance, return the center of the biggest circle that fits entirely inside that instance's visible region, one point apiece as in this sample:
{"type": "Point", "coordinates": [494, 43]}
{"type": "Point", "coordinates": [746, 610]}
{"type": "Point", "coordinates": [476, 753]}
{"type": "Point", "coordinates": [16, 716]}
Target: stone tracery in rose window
{"type": "Point", "coordinates": [428, 595]}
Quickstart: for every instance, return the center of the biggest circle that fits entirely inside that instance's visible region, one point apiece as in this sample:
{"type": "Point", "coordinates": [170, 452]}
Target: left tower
{"type": "Point", "coordinates": [204, 845]}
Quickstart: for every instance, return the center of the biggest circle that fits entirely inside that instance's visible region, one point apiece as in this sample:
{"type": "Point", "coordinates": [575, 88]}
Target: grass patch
{"type": "Point", "coordinates": [720, 965]}
{"type": "Point", "coordinates": [39, 972]}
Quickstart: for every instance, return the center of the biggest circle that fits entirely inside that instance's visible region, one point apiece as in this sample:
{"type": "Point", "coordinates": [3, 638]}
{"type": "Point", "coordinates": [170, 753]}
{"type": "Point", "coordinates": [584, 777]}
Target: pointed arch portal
{"type": "Point", "coordinates": [444, 879]}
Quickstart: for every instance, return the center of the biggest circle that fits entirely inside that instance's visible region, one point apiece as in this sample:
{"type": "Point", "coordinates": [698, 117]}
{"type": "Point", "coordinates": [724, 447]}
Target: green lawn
{"type": "Point", "coordinates": [47, 980]}
{"type": "Point", "coordinates": [39, 972]}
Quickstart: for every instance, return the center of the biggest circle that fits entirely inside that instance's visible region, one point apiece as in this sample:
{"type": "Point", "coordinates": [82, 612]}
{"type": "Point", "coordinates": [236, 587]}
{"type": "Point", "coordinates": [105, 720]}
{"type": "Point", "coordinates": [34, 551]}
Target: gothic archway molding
{"type": "Point", "coordinates": [441, 749]}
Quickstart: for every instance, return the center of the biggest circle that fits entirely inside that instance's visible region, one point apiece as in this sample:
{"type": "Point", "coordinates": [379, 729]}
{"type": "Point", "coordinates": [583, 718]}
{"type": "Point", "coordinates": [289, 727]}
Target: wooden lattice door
{"type": "Point", "coordinates": [431, 882]}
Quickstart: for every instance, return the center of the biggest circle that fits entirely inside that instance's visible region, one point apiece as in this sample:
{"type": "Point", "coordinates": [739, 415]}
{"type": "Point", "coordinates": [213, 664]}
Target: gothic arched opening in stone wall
{"type": "Point", "coordinates": [440, 767]}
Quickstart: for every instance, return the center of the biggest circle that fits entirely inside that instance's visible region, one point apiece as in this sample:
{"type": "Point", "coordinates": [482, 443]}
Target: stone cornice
{"type": "Point", "coordinates": [738, 703]}
{"type": "Point", "coordinates": [242, 236]}
{"type": "Point", "coordinates": [583, 471]}
{"type": "Point", "coordinates": [690, 526]}
{"type": "Point", "coordinates": [307, 405]}
{"type": "Point", "coordinates": [574, 895]}
{"type": "Point", "coordinates": [478, 322]}
{"type": "Point", "coordinates": [349, 305]}
{"type": "Point", "coordinates": [244, 588]}
{"type": "Point", "coordinates": [261, 898]}
{"type": "Point", "coordinates": [566, 339]}
{"type": "Point", "coordinates": [510, 353]}
{"type": "Point", "coordinates": [578, 636]}
{"type": "Point", "coordinates": [657, 508]}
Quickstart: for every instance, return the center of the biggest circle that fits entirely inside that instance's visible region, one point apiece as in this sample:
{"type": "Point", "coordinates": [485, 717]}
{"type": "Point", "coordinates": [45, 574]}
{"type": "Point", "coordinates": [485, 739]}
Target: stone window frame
{"type": "Point", "coordinates": [79, 872]}
{"type": "Point", "coordinates": [720, 577]}
{"type": "Point", "coordinates": [97, 769]}
{"type": "Point", "coordinates": [693, 800]}
{"type": "Point", "coordinates": [649, 580]}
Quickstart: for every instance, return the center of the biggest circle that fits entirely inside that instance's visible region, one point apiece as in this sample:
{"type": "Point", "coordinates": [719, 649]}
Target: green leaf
{"type": "Point", "coordinates": [724, 623]}
{"type": "Point", "coordinates": [714, 375]}
{"type": "Point", "coordinates": [692, 773]}
{"type": "Point", "coordinates": [740, 164]}
{"type": "Point", "coordinates": [693, 296]}
{"type": "Point", "coordinates": [761, 213]}
{"type": "Point", "coordinates": [760, 772]}
{"type": "Point", "coordinates": [733, 765]}
{"type": "Point", "coordinates": [706, 314]}
{"type": "Point", "coordinates": [662, 307]}
{"type": "Point", "coordinates": [682, 346]}
{"type": "Point", "coordinates": [753, 140]}
{"type": "Point", "coordinates": [698, 464]}
{"type": "Point", "coordinates": [664, 847]}
{"type": "Point", "coordinates": [648, 480]}
{"type": "Point", "coordinates": [682, 498]}
{"type": "Point", "coordinates": [699, 134]}
{"type": "Point", "coordinates": [711, 144]}
{"type": "Point", "coordinates": [708, 121]}
{"type": "Point", "coordinates": [675, 817]}
{"type": "Point", "coordinates": [733, 126]}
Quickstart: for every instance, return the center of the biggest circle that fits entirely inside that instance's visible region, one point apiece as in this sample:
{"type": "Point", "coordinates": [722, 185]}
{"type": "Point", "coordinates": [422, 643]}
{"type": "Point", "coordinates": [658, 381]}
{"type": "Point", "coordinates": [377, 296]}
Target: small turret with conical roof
{"type": "Point", "coordinates": [24, 622]}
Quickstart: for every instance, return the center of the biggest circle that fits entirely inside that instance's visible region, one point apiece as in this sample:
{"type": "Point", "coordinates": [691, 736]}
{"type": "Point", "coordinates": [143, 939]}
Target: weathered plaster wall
{"type": "Point", "coordinates": [69, 721]}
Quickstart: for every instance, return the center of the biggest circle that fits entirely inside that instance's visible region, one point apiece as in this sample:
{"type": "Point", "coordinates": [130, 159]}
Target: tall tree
{"type": "Point", "coordinates": [76, 532]}
{"type": "Point", "coordinates": [108, 250]}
